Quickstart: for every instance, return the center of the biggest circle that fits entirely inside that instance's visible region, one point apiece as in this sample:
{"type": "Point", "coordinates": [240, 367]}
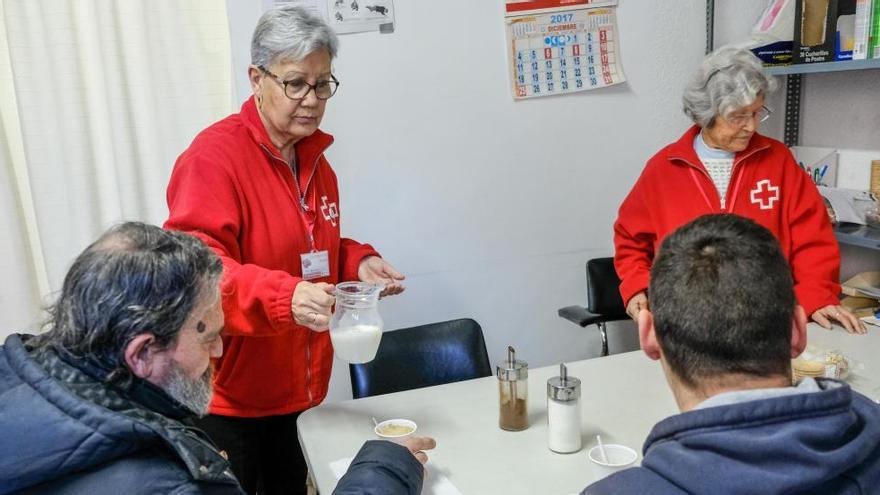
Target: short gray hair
{"type": "Point", "coordinates": [136, 278]}
{"type": "Point", "coordinates": [290, 33]}
{"type": "Point", "coordinates": [729, 78]}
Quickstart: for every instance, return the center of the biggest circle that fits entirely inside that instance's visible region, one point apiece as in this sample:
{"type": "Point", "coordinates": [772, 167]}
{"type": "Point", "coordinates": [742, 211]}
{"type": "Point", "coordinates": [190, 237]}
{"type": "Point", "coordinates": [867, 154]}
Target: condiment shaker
{"type": "Point", "coordinates": [564, 412]}
{"type": "Point", "coordinates": [513, 392]}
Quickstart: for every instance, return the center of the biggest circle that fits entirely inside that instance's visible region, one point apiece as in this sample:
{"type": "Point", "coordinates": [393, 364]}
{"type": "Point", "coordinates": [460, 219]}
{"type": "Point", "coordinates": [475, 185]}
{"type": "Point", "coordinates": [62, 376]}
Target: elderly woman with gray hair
{"type": "Point", "coordinates": [257, 188]}
{"type": "Point", "coordinates": [723, 165]}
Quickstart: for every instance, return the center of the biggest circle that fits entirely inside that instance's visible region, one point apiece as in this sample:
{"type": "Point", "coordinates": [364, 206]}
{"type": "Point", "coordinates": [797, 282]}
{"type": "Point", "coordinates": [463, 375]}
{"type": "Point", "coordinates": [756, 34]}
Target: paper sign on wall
{"type": "Point", "coordinates": [347, 16]}
{"type": "Point", "coordinates": [562, 46]}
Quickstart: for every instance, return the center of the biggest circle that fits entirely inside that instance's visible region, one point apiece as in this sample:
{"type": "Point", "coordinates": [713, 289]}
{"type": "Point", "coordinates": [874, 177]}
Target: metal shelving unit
{"type": "Point", "coordinates": [858, 235]}
{"type": "Point", "coordinates": [838, 66]}
{"type": "Point", "coordinates": [852, 234]}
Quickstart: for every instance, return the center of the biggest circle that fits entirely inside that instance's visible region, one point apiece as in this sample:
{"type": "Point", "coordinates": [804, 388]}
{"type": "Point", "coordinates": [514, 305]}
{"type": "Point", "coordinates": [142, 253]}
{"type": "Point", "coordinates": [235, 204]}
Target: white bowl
{"type": "Point", "coordinates": [382, 432]}
{"type": "Point", "coordinates": [619, 457]}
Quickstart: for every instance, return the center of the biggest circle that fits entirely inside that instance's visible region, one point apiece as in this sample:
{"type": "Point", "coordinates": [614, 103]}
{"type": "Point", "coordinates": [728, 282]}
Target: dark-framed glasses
{"type": "Point", "coordinates": [741, 119]}
{"type": "Point", "coordinates": [297, 89]}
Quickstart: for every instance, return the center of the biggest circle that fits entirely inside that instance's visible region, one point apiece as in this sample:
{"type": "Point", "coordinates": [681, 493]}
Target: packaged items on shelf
{"type": "Point", "coordinates": [845, 29]}
{"type": "Point", "coordinates": [772, 36]}
{"type": "Point", "coordinates": [862, 27]}
{"type": "Point", "coordinates": [815, 31]}
{"type": "Point", "coordinates": [874, 36]}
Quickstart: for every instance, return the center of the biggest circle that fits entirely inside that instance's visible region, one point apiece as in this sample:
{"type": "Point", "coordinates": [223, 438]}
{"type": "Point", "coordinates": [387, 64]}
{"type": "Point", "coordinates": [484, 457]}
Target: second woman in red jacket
{"type": "Point", "coordinates": [722, 165]}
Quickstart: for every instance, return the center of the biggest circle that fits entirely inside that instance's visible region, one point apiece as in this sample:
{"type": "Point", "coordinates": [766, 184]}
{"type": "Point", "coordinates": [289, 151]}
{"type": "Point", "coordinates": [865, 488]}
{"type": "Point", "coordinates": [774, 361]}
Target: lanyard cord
{"type": "Point", "coordinates": [302, 197]}
{"type": "Point", "coordinates": [299, 193]}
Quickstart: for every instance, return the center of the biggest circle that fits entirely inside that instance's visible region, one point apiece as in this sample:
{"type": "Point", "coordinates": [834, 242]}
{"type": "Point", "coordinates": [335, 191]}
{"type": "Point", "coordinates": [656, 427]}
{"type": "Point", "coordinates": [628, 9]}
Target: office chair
{"type": "Point", "coordinates": [603, 299]}
{"type": "Point", "coordinates": [423, 356]}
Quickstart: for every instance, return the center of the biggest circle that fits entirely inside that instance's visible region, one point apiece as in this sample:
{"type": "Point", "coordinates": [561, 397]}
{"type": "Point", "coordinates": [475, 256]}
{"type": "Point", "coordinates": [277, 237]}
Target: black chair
{"type": "Point", "coordinates": [423, 356]}
{"type": "Point", "coordinates": [603, 299]}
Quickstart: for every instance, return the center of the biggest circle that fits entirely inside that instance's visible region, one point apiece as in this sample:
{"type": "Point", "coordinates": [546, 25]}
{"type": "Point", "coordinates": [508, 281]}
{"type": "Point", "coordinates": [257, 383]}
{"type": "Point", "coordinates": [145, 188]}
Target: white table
{"type": "Point", "coordinates": [623, 396]}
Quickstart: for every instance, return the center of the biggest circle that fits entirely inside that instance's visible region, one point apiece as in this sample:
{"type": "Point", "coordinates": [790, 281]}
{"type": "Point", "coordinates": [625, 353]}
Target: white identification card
{"type": "Point", "coordinates": [315, 265]}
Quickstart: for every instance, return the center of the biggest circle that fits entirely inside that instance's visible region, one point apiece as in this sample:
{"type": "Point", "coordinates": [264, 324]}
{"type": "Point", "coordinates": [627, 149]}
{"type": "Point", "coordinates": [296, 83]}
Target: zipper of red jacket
{"type": "Point", "coordinates": [736, 173]}
{"type": "Point", "coordinates": [301, 201]}
{"type": "Point", "coordinates": [303, 207]}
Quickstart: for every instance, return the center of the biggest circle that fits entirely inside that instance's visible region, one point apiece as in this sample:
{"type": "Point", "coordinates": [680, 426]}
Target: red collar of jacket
{"type": "Point", "coordinates": [683, 149]}
{"type": "Point", "coordinates": [308, 149]}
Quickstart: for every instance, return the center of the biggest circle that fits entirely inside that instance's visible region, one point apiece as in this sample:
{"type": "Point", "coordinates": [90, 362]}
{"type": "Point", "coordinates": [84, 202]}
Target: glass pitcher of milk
{"type": "Point", "coordinates": [356, 327]}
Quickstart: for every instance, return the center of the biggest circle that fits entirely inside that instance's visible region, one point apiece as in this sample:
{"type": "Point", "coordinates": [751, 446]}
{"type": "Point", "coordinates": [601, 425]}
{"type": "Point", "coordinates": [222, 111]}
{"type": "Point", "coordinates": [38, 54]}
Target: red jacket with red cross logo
{"type": "Point", "coordinates": [232, 189]}
{"type": "Point", "coordinates": [766, 185]}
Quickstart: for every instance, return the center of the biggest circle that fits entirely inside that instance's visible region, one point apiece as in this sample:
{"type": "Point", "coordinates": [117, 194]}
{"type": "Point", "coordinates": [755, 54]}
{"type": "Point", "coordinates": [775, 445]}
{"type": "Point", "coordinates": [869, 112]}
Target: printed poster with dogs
{"type": "Point", "coordinates": [347, 16]}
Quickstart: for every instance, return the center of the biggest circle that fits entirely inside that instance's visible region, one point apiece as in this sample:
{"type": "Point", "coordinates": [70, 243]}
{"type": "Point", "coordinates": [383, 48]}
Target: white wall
{"type": "Point", "coordinates": [490, 206]}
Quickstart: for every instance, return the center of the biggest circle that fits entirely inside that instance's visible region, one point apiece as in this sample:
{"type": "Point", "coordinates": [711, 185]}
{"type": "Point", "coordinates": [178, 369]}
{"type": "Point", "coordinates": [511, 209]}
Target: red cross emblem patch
{"type": "Point", "coordinates": [329, 211]}
{"type": "Point", "coordinates": [764, 194]}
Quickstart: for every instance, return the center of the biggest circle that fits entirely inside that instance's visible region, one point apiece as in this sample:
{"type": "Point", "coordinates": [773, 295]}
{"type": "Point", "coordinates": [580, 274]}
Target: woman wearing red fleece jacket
{"type": "Point", "coordinates": [722, 165]}
{"type": "Point", "coordinates": [257, 188]}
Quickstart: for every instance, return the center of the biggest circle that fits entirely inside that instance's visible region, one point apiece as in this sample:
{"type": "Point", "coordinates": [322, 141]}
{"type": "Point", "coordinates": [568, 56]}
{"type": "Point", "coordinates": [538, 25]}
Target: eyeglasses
{"type": "Point", "coordinates": [297, 89]}
{"type": "Point", "coordinates": [742, 119]}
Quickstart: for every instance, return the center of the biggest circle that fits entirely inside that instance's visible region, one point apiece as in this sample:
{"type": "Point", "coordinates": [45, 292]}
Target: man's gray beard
{"type": "Point", "coordinates": [195, 395]}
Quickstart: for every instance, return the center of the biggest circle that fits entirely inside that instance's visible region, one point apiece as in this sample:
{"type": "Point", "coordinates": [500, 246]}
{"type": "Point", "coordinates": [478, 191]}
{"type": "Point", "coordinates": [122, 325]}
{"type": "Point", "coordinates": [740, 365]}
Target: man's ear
{"type": "Point", "coordinates": [140, 355]}
{"type": "Point", "coordinates": [798, 331]}
{"type": "Point", "coordinates": [647, 335]}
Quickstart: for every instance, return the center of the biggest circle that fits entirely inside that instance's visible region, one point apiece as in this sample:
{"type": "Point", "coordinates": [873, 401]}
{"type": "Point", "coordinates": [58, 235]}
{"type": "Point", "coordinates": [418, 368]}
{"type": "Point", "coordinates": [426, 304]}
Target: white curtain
{"type": "Point", "coordinates": [97, 99]}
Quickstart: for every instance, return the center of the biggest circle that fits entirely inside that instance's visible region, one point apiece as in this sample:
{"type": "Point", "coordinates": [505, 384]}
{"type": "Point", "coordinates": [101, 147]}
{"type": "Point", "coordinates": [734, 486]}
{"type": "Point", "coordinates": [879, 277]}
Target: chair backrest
{"type": "Point", "coordinates": [422, 356]}
{"type": "Point", "coordinates": [603, 290]}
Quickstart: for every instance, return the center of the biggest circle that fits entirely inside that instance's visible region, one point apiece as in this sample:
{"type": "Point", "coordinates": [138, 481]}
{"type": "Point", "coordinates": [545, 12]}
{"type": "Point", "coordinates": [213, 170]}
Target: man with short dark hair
{"type": "Point", "coordinates": [98, 403]}
{"type": "Point", "coordinates": [724, 324]}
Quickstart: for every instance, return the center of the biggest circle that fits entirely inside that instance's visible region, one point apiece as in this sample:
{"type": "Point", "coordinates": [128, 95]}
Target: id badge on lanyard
{"type": "Point", "coordinates": [315, 264]}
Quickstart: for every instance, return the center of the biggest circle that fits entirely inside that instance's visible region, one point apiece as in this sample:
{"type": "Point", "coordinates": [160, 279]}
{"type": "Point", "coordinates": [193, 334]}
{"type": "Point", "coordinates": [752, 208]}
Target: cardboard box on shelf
{"type": "Point", "coordinates": [875, 178]}
{"type": "Point", "coordinates": [860, 306]}
{"type": "Point", "coordinates": [819, 163]}
{"type": "Point", "coordinates": [854, 168]}
{"type": "Point", "coordinates": [863, 285]}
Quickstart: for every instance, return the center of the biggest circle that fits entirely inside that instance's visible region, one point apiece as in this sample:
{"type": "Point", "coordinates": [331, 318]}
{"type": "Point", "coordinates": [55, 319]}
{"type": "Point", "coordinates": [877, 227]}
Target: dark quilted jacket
{"type": "Point", "coordinates": [64, 432]}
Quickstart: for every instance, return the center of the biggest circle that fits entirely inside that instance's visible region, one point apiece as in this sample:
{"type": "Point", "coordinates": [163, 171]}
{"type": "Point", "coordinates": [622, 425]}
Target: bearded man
{"type": "Point", "coordinates": [99, 402]}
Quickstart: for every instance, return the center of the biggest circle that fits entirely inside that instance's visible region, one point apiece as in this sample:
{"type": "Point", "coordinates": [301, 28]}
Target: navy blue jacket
{"type": "Point", "coordinates": [56, 438]}
{"type": "Point", "coordinates": [824, 442]}
{"type": "Point", "coordinates": [382, 468]}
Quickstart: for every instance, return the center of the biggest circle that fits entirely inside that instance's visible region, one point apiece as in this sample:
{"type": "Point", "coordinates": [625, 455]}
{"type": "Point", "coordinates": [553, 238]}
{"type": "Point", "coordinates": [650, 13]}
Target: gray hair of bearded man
{"type": "Point", "coordinates": [136, 278]}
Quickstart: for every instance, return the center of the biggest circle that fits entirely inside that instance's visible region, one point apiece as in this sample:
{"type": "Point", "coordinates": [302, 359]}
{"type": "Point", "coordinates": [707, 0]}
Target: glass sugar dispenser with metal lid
{"type": "Point", "coordinates": [513, 393]}
{"type": "Point", "coordinates": [564, 412]}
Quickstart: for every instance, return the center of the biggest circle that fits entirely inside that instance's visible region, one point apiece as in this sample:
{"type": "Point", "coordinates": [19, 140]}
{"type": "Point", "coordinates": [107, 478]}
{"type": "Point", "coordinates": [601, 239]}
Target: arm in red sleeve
{"type": "Point", "coordinates": [351, 253]}
{"type": "Point", "coordinates": [203, 200]}
{"type": "Point", "coordinates": [634, 239]}
{"type": "Point", "coordinates": [815, 256]}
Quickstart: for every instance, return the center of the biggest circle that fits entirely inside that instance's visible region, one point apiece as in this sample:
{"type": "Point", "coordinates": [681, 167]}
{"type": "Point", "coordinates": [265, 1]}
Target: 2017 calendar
{"type": "Point", "coordinates": [556, 51]}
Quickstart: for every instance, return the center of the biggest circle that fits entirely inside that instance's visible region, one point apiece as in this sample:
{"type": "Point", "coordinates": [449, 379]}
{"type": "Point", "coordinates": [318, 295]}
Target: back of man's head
{"type": "Point", "coordinates": [722, 299]}
{"type": "Point", "coordinates": [136, 278]}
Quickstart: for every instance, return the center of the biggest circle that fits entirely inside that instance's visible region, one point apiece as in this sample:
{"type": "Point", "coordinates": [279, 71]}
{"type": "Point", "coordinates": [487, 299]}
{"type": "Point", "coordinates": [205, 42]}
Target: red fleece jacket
{"type": "Point", "coordinates": [766, 185]}
{"type": "Point", "coordinates": [232, 189]}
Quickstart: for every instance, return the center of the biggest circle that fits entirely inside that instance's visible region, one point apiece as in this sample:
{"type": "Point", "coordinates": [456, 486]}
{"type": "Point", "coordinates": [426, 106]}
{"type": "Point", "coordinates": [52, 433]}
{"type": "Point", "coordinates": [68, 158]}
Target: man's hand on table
{"type": "Point", "coordinates": [418, 446]}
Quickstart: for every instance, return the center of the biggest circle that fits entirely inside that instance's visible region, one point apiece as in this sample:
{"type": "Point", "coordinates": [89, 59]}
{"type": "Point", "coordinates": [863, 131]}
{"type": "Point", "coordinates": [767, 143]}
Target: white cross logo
{"type": "Point", "coordinates": [329, 211]}
{"type": "Point", "coordinates": [762, 192]}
